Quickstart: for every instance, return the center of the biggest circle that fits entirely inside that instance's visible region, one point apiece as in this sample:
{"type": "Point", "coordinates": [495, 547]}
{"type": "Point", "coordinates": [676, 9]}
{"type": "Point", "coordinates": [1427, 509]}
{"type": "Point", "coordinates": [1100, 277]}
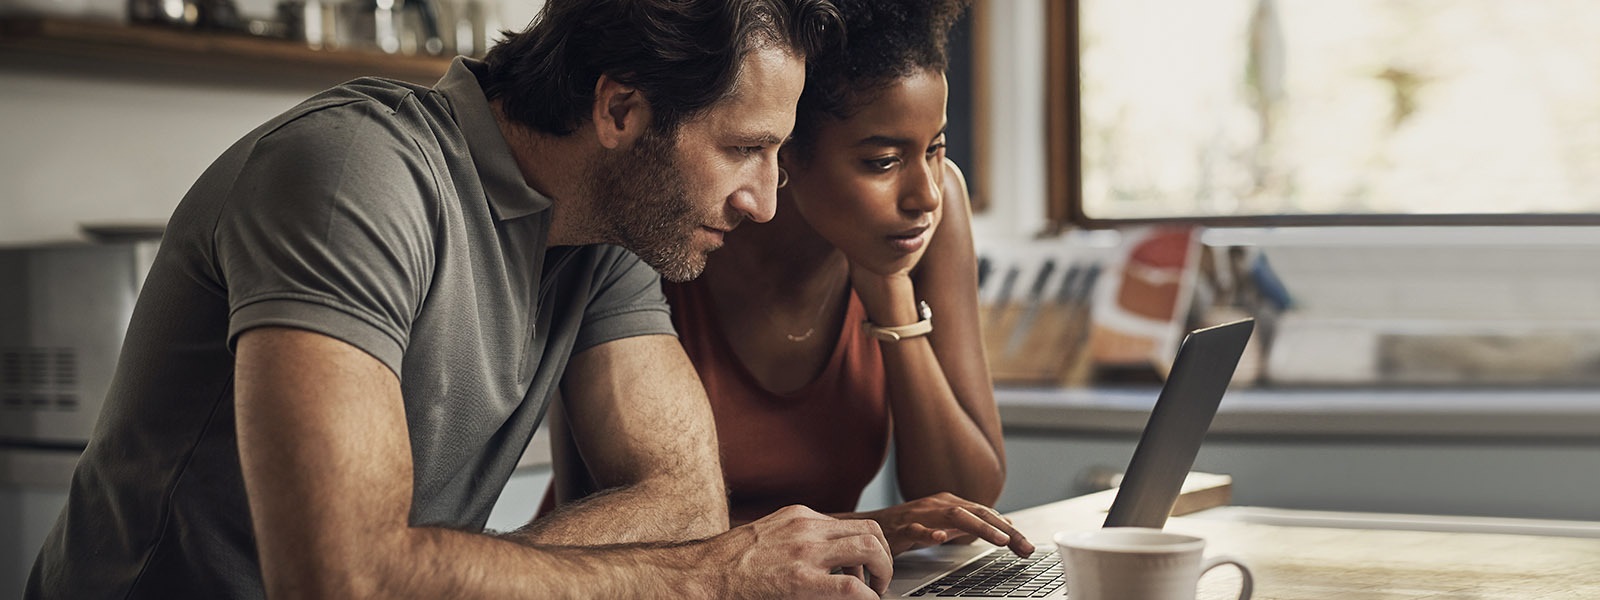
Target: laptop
{"type": "Point", "coordinates": [1183, 412]}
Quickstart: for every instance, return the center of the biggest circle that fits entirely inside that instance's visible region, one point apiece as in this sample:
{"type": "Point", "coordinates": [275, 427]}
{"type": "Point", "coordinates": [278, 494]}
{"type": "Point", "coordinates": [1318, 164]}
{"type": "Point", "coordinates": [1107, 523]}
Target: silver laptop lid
{"type": "Point", "coordinates": [1178, 423]}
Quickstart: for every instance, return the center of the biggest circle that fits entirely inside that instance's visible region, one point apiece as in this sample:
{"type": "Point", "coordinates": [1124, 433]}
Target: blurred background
{"type": "Point", "coordinates": [1404, 193]}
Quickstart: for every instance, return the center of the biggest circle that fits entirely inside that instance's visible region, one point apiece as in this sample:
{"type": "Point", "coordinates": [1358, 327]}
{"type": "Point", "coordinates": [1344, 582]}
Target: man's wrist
{"type": "Point", "coordinates": [709, 578]}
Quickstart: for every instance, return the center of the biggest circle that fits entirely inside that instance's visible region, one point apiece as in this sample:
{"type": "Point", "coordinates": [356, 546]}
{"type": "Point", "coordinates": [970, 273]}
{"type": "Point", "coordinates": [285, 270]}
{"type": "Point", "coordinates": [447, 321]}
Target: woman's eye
{"type": "Point", "coordinates": [882, 164]}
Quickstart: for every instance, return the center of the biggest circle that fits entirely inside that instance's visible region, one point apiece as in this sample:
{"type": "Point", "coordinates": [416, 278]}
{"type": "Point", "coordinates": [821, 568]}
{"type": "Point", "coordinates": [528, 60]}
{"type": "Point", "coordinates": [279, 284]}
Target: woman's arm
{"type": "Point", "coordinates": [946, 427]}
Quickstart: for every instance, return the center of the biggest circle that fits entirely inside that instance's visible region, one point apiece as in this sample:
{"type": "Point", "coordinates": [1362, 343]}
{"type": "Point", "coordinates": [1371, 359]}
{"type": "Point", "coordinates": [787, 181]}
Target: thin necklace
{"type": "Point", "coordinates": [821, 308]}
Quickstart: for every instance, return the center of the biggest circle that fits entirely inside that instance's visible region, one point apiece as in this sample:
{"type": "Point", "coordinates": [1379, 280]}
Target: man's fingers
{"type": "Point", "coordinates": [883, 540]}
{"type": "Point", "coordinates": [866, 551]}
{"type": "Point", "coordinates": [856, 572]}
{"type": "Point", "coordinates": [846, 586]}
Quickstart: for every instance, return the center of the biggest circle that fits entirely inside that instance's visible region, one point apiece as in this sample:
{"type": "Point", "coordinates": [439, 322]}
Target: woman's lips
{"type": "Point", "coordinates": [910, 240]}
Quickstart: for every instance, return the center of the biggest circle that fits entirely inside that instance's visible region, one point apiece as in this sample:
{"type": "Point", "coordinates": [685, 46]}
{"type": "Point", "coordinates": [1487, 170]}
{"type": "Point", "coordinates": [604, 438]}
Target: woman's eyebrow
{"type": "Point", "coordinates": [882, 141]}
{"type": "Point", "coordinates": [877, 141]}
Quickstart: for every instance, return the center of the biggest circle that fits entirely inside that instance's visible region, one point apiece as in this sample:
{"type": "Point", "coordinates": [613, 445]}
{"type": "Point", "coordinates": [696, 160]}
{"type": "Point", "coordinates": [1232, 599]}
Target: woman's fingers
{"type": "Point", "coordinates": [1014, 538]}
{"type": "Point", "coordinates": [947, 518]}
{"type": "Point", "coordinates": [982, 522]}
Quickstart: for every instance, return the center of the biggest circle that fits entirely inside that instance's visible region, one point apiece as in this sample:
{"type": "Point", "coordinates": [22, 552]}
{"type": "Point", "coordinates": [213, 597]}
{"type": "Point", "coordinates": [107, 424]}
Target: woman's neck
{"type": "Point", "coordinates": [783, 261]}
{"type": "Point", "coordinates": [782, 286]}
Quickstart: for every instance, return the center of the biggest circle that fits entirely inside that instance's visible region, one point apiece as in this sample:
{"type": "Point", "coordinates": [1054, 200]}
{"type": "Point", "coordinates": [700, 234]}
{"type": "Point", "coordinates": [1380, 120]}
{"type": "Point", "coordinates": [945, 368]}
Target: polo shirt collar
{"type": "Point", "coordinates": [509, 194]}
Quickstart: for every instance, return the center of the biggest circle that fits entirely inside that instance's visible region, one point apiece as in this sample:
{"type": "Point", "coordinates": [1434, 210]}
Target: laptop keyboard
{"type": "Point", "coordinates": [1000, 574]}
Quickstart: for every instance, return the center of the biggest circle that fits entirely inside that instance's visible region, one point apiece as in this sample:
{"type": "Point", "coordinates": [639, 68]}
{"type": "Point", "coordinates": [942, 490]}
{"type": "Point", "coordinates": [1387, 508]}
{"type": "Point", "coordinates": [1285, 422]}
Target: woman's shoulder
{"type": "Point", "coordinates": [955, 181]}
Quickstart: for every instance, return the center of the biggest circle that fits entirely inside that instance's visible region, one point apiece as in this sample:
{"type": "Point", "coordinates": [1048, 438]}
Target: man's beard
{"type": "Point", "coordinates": [642, 204]}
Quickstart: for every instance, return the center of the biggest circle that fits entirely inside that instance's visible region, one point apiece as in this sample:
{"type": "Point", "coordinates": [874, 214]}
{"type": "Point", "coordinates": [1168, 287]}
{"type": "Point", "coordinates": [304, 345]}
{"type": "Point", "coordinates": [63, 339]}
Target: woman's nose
{"type": "Point", "coordinates": [923, 189]}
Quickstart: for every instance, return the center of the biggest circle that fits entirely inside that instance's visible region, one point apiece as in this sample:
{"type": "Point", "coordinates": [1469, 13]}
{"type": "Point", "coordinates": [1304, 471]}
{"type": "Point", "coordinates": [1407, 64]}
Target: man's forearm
{"type": "Point", "coordinates": [660, 510]}
{"type": "Point", "coordinates": [428, 562]}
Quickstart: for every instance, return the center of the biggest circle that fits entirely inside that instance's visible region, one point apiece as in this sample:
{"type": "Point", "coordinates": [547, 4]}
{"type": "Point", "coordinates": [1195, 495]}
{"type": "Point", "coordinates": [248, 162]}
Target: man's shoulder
{"type": "Point", "coordinates": [378, 92]}
{"type": "Point", "coordinates": [408, 110]}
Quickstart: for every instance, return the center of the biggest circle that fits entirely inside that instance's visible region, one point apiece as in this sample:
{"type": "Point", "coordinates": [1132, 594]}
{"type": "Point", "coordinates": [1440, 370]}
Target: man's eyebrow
{"type": "Point", "coordinates": [762, 139]}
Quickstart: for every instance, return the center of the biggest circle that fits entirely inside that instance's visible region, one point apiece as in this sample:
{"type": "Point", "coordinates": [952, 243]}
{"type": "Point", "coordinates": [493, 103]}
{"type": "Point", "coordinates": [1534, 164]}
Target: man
{"type": "Point", "coordinates": [360, 311]}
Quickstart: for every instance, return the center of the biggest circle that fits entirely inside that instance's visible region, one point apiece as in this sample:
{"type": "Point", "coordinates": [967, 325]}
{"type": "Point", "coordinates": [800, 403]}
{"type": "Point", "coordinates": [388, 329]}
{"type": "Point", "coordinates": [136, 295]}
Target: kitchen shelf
{"type": "Point", "coordinates": [235, 52]}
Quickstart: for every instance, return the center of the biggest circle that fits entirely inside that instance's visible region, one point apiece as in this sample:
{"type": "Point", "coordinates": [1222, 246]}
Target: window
{"type": "Point", "coordinates": [1308, 111]}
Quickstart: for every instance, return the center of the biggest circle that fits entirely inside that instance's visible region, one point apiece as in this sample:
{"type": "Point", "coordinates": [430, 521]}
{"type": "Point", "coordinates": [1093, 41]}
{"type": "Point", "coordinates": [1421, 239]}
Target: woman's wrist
{"type": "Point", "coordinates": [889, 301]}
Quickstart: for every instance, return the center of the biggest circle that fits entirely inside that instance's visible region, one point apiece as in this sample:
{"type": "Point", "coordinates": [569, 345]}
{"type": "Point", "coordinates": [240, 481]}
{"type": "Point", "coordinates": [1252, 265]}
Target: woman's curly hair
{"type": "Point", "coordinates": [885, 40]}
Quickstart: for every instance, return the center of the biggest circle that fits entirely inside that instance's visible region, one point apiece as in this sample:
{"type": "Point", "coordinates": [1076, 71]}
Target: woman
{"type": "Point", "coordinates": [810, 331]}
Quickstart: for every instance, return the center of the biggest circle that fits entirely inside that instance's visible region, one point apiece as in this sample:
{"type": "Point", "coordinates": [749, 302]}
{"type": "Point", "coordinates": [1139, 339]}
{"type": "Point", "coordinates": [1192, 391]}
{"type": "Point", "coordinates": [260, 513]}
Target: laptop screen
{"type": "Point", "coordinates": [1178, 423]}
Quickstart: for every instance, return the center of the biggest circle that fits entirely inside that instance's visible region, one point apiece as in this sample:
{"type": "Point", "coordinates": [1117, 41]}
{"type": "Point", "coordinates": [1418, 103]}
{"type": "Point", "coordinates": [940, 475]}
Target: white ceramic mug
{"type": "Point", "coordinates": [1122, 563]}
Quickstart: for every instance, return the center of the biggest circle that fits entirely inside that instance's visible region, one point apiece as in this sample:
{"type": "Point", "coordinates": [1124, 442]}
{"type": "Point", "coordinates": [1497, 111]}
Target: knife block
{"type": "Point", "coordinates": [1045, 348]}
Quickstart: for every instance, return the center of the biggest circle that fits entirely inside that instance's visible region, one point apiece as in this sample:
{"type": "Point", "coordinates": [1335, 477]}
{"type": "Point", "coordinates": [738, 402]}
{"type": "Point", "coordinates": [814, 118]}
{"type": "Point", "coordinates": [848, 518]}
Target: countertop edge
{"type": "Point", "coordinates": [1550, 415]}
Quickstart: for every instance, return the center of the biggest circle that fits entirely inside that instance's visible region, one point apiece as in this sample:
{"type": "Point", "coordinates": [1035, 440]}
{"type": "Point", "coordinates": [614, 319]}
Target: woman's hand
{"type": "Point", "coordinates": [942, 518]}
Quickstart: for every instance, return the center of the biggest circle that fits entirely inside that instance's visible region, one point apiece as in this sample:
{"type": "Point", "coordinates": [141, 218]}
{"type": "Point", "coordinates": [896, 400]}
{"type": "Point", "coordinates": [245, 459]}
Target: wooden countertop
{"type": "Point", "coordinates": [1317, 563]}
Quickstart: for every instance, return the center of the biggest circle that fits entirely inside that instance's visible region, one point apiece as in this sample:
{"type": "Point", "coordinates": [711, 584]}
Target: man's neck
{"type": "Point", "coordinates": [554, 166]}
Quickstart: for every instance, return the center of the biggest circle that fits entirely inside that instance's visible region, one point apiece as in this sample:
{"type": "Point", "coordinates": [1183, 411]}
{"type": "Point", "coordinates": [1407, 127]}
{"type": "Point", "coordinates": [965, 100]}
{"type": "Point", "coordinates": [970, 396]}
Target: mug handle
{"type": "Point", "coordinates": [1246, 584]}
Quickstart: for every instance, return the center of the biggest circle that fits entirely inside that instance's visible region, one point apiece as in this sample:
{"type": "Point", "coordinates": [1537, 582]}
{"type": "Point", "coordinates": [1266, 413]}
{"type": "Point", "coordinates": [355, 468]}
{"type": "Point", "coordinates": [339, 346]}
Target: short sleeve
{"type": "Point", "coordinates": [626, 302]}
{"type": "Point", "coordinates": [327, 228]}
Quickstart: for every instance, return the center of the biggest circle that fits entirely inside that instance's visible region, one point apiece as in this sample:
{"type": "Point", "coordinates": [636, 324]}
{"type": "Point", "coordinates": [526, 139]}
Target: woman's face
{"type": "Point", "coordinates": [872, 183]}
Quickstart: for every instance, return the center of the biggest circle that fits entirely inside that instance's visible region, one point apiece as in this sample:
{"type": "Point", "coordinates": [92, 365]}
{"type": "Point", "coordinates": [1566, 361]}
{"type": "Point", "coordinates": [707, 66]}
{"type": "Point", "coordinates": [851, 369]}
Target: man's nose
{"type": "Point", "coordinates": [759, 201]}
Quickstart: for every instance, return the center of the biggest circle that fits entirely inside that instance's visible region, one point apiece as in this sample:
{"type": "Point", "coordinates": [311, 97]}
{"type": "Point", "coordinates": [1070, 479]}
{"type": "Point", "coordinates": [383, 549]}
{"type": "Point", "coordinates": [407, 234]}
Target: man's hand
{"type": "Point", "coordinates": [943, 518]}
{"type": "Point", "coordinates": [799, 553]}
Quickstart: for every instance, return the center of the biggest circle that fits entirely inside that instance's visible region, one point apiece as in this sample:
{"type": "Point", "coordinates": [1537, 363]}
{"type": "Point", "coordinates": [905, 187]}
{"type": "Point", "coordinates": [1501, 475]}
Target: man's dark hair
{"type": "Point", "coordinates": [886, 40]}
{"type": "Point", "coordinates": [682, 55]}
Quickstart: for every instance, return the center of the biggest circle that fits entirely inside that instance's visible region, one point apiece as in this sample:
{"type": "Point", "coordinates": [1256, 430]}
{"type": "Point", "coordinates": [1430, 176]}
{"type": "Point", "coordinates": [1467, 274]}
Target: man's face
{"type": "Point", "coordinates": [671, 199]}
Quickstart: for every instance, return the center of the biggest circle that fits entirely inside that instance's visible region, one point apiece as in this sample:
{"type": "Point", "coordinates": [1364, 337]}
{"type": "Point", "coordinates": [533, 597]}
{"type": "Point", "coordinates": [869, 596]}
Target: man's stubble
{"type": "Point", "coordinates": [642, 204]}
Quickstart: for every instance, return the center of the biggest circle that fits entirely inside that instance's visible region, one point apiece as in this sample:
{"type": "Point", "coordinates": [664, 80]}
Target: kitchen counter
{"type": "Point", "coordinates": [1547, 414]}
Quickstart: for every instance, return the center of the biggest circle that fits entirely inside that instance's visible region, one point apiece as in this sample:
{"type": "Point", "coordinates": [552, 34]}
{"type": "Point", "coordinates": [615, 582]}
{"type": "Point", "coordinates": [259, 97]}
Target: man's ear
{"type": "Point", "coordinates": [621, 113]}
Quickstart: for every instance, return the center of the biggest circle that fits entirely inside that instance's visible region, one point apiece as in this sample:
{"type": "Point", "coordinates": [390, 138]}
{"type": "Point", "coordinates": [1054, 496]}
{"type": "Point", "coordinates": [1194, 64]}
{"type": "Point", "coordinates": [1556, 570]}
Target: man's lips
{"type": "Point", "coordinates": [717, 233]}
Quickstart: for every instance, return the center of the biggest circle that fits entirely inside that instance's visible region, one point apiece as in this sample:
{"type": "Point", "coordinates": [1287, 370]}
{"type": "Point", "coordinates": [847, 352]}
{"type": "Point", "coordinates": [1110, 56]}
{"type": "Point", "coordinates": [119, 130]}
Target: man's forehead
{"type": "Point", "coordinates": [760, 105]}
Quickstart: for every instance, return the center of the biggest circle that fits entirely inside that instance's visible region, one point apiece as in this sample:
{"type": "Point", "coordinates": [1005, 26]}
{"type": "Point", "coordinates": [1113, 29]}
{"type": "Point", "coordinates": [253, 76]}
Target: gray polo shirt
{"type": "Point", "coordinates": [389, 216]}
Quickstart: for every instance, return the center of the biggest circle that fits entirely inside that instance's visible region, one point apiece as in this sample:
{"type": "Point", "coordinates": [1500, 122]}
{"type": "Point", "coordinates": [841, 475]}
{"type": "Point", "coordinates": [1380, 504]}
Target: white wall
{"type": "Point", "coordinates": [82, 147]}
{"type": "Point", "coordinates": [87, 142]}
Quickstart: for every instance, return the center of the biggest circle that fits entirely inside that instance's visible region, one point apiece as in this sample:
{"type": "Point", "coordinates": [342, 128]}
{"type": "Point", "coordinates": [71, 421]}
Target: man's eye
{"type": "Point", "coordinates": [750, 150]}
{"type": "Point", "coordinates": [934, 150]}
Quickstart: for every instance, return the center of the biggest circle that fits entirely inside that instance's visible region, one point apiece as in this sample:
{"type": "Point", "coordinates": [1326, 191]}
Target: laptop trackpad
{"type": "Point", "coordinates": [914, 568]}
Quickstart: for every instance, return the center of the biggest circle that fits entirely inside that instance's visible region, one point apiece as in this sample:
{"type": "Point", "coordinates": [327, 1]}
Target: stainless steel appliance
{"type": "Point", "coordinates": [64, 309]}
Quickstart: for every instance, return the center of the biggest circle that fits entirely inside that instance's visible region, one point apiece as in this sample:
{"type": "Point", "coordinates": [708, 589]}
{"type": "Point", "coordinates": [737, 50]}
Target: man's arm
{"type": "Point", "coordinates": [643, 426]}
{"type": "Point", "coordinates": [327, 466]}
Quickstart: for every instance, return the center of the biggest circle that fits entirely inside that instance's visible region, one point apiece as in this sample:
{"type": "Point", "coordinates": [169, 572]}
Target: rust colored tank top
{"type": "Point", "coordinates": [819, 446]}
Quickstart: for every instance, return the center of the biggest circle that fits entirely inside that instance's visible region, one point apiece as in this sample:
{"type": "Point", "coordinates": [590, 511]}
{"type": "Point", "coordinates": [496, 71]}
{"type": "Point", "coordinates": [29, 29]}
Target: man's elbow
{"type": "Point", "coordinates": [701, 500]}
{"type": "Point", "coordinates": [351, 573]}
